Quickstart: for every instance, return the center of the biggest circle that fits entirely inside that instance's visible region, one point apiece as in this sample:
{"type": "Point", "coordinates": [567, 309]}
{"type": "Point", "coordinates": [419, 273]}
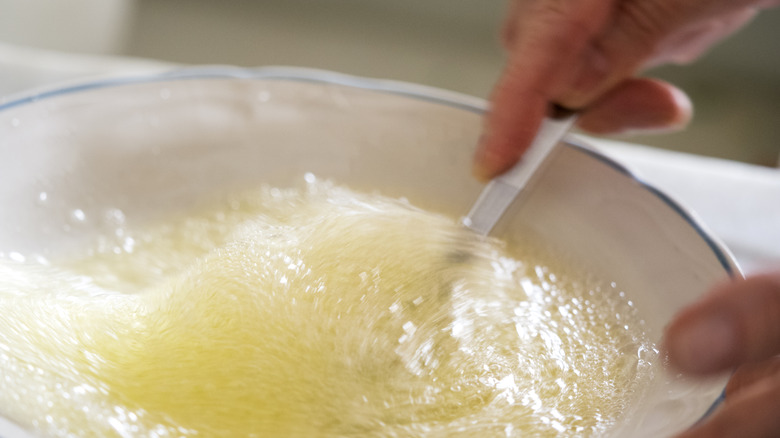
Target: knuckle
{"type": "Point", "coordinates": [647, 22]}
{"type": "Point", "coordinates": [570, 18]}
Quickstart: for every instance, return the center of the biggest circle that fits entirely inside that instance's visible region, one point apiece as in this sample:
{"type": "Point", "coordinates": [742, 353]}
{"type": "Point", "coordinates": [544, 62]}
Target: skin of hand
{"type": "Point", "coordinates": [736, 325]}
{"type": "Point", "coordinates": [585, 55]}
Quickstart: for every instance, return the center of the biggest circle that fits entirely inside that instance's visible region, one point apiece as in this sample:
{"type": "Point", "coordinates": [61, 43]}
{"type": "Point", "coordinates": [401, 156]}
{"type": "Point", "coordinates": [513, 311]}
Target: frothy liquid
{"type": "Point", "coordinates": [317, 312]}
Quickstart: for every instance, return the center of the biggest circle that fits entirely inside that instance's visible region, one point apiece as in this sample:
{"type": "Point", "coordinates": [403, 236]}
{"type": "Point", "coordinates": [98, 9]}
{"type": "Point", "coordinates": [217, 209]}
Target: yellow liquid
{"type": "Point", "coordinates": [313, 312]}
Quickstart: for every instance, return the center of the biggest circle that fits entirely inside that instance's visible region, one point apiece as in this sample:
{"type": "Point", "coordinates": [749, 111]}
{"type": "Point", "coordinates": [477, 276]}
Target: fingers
{"type": "Point", "coordinates": [752, 374]}
{"type": "Point", "coordinates": [653, 32]}
{"type": "Point", "coordinates": [507, 134]}
{"type": "Point", "coordinates": [638, 105]}
{"type": "Point", "coordinates": [737, 323]}
{"type": "Point", "coordinates": [575, 53]}
{"type": "Point", "coordinates": [633, 106]}
{"type": "Point", "coordinates": [750, 413]}
{"type": "Point", "coordinates": [546, 43]}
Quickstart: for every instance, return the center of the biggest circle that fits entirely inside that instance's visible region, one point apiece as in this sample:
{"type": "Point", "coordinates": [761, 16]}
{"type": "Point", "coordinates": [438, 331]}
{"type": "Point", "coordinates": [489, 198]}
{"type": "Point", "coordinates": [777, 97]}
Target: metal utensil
{"type": "Point", "coordinates": [503, 189]}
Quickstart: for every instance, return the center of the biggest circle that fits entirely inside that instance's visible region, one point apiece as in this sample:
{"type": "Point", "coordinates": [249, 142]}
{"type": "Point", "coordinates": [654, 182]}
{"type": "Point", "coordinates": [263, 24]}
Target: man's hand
{"type": "Point", "coordinates": [584, 55]}
{"type": "Point", "coordinates": [737, 326]}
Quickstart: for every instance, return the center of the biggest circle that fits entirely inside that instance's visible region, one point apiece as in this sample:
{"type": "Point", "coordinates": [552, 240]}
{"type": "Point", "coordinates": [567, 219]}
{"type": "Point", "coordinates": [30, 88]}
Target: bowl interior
{"type": "Point", "coordinates": [156, 146]}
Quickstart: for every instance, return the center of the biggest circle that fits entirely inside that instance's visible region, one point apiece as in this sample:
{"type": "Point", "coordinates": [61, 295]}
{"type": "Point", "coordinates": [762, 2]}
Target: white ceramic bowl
{"type": "Point", "coordinates": [153, 145]}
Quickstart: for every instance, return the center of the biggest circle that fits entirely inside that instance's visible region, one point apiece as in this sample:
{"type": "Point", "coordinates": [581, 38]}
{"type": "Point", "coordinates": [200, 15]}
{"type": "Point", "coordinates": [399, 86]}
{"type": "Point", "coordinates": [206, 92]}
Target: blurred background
{"type": "Point", "coordinates": [451, 44]}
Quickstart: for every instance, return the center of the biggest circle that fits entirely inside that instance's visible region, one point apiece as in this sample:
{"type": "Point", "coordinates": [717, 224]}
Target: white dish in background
{"type": "Point", "coordinates": [154, 145]}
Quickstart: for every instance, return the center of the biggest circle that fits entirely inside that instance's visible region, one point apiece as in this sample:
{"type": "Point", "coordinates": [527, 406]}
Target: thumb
{"type": "Point", "coordinates": [736, 323]}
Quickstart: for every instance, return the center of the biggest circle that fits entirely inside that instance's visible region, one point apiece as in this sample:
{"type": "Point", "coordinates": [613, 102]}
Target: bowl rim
{"type": "Point", "coordinates": [421, 92]}
{"type": "Point", "coordinates": [416, 91]}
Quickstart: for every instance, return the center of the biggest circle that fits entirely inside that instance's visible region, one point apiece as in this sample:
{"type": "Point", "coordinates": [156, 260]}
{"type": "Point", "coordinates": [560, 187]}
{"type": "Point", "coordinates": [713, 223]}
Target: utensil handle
{"type": "Point", "coordinates": [502, 190]}
{"type": "Point", "coordinates": [550, 133]}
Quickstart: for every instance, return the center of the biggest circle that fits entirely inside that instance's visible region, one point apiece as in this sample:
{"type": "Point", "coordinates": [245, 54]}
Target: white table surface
{"type": "Point", "coordinates": [738, 203]}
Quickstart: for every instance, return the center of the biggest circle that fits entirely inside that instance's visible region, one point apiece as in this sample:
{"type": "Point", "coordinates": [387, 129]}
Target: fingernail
{"type": "Point", "coordinates": [684, 106]}
{"type": "Point", "coordinates": [481, 173]}
{"type": "Point", "coordinates": [481, 168]}
{"type": "Point", "coordinates": [705, 346]}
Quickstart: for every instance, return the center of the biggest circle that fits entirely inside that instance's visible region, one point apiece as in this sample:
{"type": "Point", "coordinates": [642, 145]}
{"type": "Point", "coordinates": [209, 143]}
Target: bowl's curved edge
{"type": "Point", "coordinates": [417, 91]}
{"type": "Point", "coordinates": [721, 251]}
{"type": "Point", "coordinates": [423, 92]}
{"type": "Point", "coordinates": [303, 74]}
